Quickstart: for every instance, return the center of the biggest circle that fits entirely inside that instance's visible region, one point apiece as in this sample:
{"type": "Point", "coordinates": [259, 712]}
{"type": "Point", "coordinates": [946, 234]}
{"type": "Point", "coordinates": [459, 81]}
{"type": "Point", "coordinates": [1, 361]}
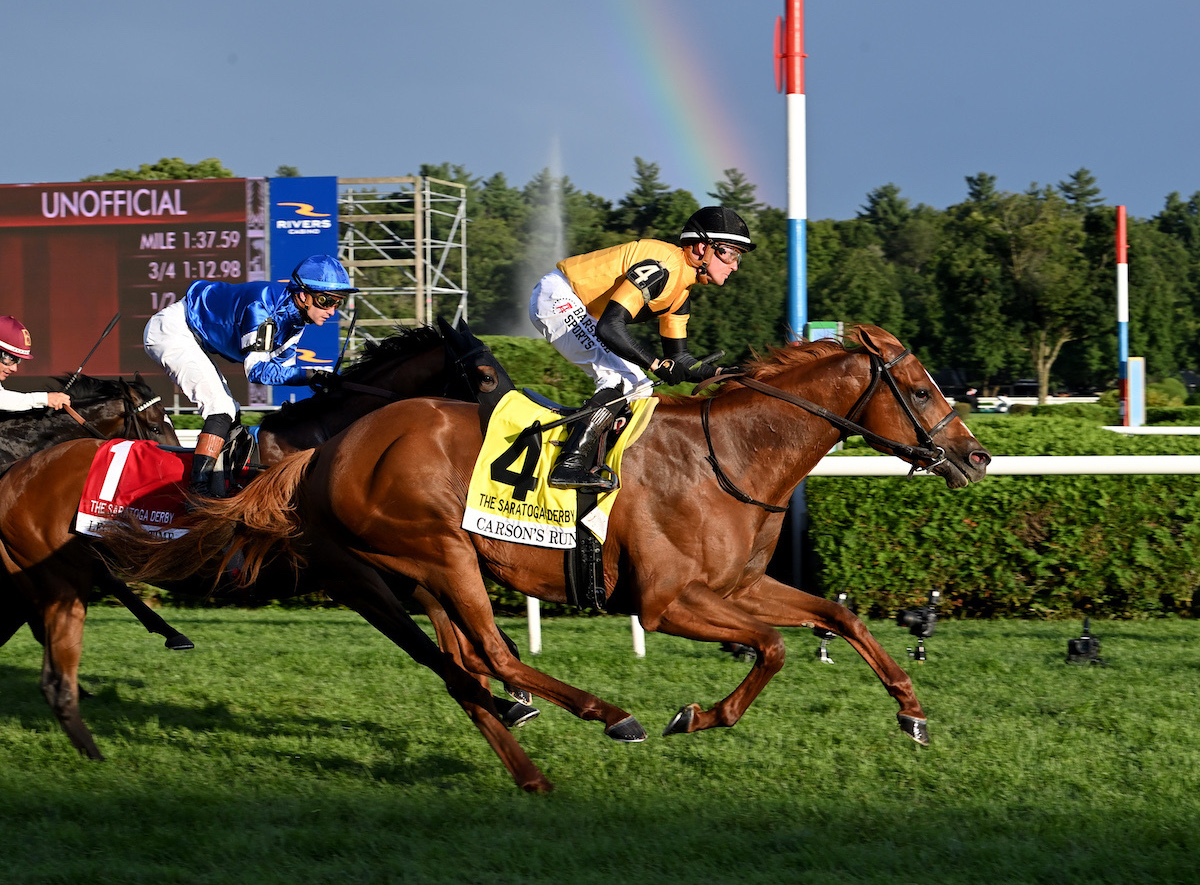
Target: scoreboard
{"type": "Point", "coordinates": [74, 255]}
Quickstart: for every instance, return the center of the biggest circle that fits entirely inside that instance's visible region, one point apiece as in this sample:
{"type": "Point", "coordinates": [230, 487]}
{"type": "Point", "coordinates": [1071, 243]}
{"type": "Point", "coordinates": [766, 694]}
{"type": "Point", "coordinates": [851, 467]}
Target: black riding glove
{"type": "Point", "coordinates": [322, 378]}
{"type": "Point", "coordinates": [685, 368]}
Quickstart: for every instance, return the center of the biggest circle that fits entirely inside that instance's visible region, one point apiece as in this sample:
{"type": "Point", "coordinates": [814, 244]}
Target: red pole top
{"type": "Point", "coordinates": [789, 49]}
{"type": "Point", "coordinates": [1122, 244]}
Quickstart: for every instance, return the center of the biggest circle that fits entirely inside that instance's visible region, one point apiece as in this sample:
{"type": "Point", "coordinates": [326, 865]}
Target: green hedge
{"type": "Point", "coordinates": [1025, 546]}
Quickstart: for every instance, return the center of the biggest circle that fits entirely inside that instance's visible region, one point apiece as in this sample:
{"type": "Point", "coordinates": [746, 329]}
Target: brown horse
{"type": "Point", "coordinates": [50, 571]}
{"type": "Point", "coordinates": [689, 537]}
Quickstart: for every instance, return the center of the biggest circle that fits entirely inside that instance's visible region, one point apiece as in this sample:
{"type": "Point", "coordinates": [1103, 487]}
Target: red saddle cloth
{"type": "Point", "coordinates": [138, 476]}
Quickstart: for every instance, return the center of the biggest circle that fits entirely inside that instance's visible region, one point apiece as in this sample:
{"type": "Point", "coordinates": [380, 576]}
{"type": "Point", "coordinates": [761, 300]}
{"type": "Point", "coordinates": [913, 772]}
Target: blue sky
{"type": "Point", "coordinates": [918, 94]}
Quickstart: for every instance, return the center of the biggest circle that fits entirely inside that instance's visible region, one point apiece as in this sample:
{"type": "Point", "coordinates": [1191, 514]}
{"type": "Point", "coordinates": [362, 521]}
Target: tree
{"type": "Point", "coordinates": [640, 211]}
{"type": "Point", "coordinates": [736, 192]}
{"type": "Point", "coordinates": [287, 172]}
{"type": "Point", "coordinates": [167, 169]}
{"type": "Point", "coordinates": [1080, 190]}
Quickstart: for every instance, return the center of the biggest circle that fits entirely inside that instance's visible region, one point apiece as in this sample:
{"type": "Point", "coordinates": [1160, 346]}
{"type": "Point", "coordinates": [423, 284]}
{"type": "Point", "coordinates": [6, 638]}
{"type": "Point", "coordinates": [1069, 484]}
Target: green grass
{"type": "Point", "coordinates": [301, 747]}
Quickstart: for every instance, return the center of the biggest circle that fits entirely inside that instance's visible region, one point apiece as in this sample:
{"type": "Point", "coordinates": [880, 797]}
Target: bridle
{"type": "Point", "coordinates": [926, 450]}
{"type": "Point", "coordinates": [132, 429]}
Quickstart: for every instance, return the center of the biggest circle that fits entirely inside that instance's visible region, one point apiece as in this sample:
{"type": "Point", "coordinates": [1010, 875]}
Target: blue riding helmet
{"type": "Point", "coordinates": [322, 273]}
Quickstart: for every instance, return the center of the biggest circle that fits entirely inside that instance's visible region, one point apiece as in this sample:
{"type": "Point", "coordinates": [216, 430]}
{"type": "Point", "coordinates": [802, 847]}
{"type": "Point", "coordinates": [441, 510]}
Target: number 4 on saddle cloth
{"type": "Point", "coordinates": [510, 497]}
{"type": "Point", "coordinates": [144, 478]}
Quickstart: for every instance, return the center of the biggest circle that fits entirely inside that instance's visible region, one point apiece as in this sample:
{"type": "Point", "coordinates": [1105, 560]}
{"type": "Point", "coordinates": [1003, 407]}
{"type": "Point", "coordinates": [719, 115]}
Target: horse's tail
{"type": "Point", "coordinates": [258, 524]}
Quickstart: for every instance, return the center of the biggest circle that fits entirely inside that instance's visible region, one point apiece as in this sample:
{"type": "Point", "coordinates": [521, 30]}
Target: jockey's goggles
{"type": "Point", "coordinates": [325, 300]}
{"type": "Point", "coordinates": [728, 254]}
{"type": "Point", "coordinates": [7, 359]}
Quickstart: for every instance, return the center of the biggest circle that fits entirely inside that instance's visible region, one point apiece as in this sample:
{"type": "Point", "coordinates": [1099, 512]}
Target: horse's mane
{"type": "Point", "coordinates": [405, 342]}
{"type": "Point", "coordinates": [778, 360]}
{"type": "Point", "coordinates": [86, 390]}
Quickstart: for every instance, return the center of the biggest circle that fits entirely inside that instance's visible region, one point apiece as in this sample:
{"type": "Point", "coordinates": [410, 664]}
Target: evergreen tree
{"type": "Point", "coordinates": [737, 192]}
{"type": "Point", "coordinates": [1080, 190]}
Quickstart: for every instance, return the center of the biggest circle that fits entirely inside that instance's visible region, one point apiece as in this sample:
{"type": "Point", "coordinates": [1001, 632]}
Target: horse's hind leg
{"type": "Point", "coordinates": [150, 619]}
{"type": "Point", "coordinates": [514, 713]}
{"type": "Point", "coordinates": [63, 621]}
{"type": "Point", "coordinates": [366, 592]}
{"type": "Point", "coordinates": [456, 583]}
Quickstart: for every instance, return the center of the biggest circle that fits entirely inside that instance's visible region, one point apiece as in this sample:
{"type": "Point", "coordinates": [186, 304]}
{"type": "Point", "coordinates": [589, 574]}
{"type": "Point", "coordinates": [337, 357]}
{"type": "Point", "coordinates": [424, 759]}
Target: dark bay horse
{"type": "Point", "coordinates": [379, 509]}
{"type": "Point", "coordinates": [48, 571]}
{"type": "Point", "coordinates": [109, 409]}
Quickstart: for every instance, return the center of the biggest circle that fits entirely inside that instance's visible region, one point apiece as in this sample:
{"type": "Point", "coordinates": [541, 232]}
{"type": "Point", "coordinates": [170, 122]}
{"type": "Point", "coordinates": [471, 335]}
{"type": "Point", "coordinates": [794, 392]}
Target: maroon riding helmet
{"type": "Point", "coordinates": [14, 338]}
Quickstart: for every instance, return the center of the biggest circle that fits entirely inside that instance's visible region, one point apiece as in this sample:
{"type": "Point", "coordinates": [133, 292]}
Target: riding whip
{"type": "Point", "coordinates": [349, 332]}
{"type": "Point", "coordinates": [103, 335]}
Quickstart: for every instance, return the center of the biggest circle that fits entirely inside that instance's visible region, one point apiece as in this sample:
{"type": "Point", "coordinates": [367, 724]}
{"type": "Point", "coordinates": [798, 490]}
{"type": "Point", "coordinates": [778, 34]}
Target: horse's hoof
{"type": "Point", "coordinates": [681, 723]}
{"type": "Point", "coordinates": [518, 714]}
{"type": "Point", "coordinates": [628, 731]}
{"type": "Point", "coordinates": [179, 642]}
{"type": "Point", "coordinates": [520, 695]}
{"type": "Point", "coordinates": [917, 729]}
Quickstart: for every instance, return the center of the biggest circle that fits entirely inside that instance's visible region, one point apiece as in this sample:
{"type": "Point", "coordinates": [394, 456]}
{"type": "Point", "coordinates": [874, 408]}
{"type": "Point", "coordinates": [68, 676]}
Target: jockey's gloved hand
{"type": "Point", "coordinates": [685, 368]}
{"type": "Point", "coordinates": [321, 377]}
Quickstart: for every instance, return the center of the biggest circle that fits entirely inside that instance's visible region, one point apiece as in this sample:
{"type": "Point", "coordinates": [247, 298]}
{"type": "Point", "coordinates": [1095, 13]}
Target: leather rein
{"type": "Point", "coordinates": [131, 412]}
{"type": "Point", "coordinates": [880, 370]}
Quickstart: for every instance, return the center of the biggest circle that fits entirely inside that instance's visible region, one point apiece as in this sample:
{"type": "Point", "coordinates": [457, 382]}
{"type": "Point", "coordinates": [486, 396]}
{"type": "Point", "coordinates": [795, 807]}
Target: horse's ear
{"type": "Point", "coordinates": [864, 335]}
{"type": "Point", "coordinates": [874, 338]}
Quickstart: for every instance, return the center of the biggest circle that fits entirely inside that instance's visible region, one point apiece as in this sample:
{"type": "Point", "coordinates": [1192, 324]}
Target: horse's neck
{"type": "Point", "coordinates": [770, 444]}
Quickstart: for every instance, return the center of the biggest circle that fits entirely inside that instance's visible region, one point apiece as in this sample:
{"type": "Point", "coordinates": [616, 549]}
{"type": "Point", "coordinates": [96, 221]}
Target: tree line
{"type": "Point", "coordinates": [998, 287]}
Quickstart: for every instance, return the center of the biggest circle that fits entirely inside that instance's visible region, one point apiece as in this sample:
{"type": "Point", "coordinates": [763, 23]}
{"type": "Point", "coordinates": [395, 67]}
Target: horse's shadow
{"type": "Point", "coordinates": [120, 720]}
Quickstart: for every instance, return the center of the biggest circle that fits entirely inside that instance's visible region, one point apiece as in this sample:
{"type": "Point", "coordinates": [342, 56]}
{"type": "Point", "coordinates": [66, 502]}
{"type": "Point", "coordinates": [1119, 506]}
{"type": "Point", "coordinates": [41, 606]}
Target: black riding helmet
{"type": "Point", "coordinates": [717, 224]}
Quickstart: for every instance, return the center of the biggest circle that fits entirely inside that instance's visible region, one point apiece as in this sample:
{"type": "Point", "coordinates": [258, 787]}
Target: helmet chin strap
{"type": "Point", "coordinates": [702, 268]}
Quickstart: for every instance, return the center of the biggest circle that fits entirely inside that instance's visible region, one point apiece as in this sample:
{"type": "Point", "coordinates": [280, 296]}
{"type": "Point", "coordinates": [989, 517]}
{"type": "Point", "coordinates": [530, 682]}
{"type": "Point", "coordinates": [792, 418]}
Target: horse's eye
{"type": "Point", "coordinates": [921, 394]}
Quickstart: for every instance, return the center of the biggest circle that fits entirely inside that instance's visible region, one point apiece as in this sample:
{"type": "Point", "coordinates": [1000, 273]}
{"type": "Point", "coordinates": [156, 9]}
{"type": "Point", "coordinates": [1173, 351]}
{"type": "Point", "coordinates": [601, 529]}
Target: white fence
{"type": "Point", "coordinates": [1002, 465]}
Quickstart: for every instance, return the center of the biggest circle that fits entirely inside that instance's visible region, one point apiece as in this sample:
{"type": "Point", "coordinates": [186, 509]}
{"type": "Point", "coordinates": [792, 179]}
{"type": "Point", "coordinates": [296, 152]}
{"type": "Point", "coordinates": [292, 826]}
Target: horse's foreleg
{"type": "Point", "coordinates": [698, 613]}
{"type": "Point", "coordinates": [367, 594]}
{"type": "Point", "coordinates": [63, 622]}
{"type": "Point", "coordinates": [776, 603]}
{"type": "Point", "coordinates": [150, 619]}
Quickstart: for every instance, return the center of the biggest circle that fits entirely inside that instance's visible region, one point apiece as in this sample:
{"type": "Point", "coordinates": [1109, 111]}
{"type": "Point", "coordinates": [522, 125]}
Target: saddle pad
{"type": "Point", "coordinates": [138, 476]}
{"type": "Point", "coordinates": [509, 497]}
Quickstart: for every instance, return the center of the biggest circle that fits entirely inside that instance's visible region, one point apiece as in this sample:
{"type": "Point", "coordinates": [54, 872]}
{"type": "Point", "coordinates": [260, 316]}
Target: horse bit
{"type": "Point", "coordinates": [926, 450]}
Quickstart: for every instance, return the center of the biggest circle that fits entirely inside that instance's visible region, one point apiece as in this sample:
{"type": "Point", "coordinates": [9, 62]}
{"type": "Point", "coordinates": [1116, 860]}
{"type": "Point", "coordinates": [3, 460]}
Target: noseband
{"type": "Point", "coordinates": [880, 370]}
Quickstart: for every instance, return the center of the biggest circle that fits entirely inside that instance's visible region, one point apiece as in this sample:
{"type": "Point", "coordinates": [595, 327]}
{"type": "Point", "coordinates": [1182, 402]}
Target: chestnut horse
{"type": "Point", "coordinates": [689, 537]}
{"type": "Point", "coordinates": [49, 572]}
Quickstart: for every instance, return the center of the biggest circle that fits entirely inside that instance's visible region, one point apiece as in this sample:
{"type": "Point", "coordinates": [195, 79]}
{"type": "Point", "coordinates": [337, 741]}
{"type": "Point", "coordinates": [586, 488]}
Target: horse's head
{"type": "Point", "coordinates": [905, 406]}
{"type": "Point", "coordinates": [145, 415]}
{"type": "Point", "coordinates": [472, 370]}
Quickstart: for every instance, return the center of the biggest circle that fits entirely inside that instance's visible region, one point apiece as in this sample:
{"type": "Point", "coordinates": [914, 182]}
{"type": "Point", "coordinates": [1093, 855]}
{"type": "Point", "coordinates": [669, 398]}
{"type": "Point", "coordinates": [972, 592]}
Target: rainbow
{"type": "Point", "coordinates": [656, 63]}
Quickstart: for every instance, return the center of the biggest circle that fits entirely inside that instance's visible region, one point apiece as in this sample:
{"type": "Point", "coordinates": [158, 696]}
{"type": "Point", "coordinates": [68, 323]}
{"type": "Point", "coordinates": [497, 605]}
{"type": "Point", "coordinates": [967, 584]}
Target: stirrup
{"type": "Point", "coordinates": [596, 479]}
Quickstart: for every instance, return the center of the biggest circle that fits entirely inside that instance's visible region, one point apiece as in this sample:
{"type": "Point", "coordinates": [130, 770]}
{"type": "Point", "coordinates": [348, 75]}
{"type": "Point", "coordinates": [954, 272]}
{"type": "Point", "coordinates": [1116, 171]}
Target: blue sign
{"type": "Point", "coordinates": [304, 221]}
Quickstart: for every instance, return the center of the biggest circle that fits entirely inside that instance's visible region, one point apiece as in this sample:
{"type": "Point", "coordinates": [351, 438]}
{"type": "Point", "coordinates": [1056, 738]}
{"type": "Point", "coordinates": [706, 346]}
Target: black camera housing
{"type": "Point", "coordinates": [1085, 649]}
{"type": "Point", "coordinates": [920, 622]}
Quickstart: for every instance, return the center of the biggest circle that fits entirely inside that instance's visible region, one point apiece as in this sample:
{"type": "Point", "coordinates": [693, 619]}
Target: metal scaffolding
{"type": "Point", "coordinates": [404, 243]}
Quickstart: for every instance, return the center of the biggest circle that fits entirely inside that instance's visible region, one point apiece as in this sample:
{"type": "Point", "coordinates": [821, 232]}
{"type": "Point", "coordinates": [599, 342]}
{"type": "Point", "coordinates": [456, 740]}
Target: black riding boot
{"type": "Point", "coordinates": [578, 466]}
{"type": "Point", "coordinates": [204, 462]}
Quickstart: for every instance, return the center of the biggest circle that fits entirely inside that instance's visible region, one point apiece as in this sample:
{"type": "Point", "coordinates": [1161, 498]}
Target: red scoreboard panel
{"type": "Point", "coordinates": [73, 255]}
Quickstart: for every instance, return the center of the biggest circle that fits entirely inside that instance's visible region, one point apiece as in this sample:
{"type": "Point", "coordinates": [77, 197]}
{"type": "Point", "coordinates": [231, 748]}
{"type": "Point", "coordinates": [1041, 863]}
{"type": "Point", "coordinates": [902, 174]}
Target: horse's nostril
{"type": "Point", "coordinates": [981, 457]}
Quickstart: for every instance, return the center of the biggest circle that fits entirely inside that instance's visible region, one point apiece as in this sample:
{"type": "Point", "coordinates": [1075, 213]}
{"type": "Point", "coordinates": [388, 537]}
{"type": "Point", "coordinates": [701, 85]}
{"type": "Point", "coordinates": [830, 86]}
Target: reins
{"type": "Point", "coordinates": [880, 370]}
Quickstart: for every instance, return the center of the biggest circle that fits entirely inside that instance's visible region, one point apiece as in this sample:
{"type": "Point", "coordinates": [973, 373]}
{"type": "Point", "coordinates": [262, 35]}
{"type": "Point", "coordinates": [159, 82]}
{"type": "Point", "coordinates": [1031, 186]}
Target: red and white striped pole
{"type": "Point", "coordinates": [789, 73]}
{"type": "Point", "coordinates": [1123, 316]}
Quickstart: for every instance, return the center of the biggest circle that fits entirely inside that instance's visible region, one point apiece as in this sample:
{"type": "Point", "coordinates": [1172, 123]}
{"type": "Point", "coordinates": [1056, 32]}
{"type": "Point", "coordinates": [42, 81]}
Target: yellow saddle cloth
{"type": "Point", "coordinates": [510, 498]}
